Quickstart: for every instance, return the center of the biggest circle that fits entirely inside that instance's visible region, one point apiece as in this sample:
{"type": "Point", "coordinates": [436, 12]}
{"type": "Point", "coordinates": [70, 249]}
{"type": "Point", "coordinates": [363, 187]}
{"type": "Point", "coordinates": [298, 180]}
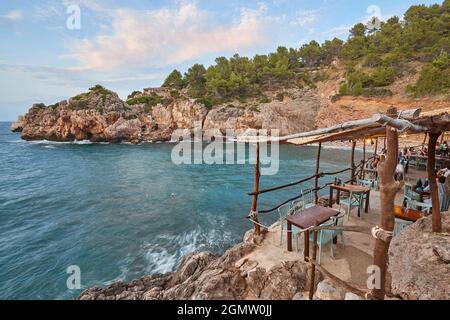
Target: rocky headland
{"type": "Point", "coordinates": [99, 115]}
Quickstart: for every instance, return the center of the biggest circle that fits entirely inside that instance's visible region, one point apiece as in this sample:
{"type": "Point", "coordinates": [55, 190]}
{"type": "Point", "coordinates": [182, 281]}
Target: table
{"type": "Point", "coordinates": [349, 188]}
{"type": "Point", "coordinates": [306, 219]}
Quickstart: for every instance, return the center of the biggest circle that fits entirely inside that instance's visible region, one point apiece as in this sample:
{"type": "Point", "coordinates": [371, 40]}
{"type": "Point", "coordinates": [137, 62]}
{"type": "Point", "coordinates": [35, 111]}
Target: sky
{"type": "Point", "coordinates": [51, 50]}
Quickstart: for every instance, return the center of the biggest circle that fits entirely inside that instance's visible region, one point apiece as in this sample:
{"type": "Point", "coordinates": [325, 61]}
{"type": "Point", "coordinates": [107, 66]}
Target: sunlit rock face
{"type": "Point", "coordinates": [419, 261]}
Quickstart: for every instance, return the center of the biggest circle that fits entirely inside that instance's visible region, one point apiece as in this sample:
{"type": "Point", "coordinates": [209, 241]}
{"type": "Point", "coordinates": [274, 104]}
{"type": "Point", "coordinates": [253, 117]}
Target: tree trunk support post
{"type": "Point", "coordinates": [353, 161]}
{"type": "Point", "coordinates": [431, 169]}
{"type": "Point", "coordinates": [316, 179]}
{"type": "Point", "coordinates": [256, 190]}
{"type": "Point", "coordinates": [388, 190]}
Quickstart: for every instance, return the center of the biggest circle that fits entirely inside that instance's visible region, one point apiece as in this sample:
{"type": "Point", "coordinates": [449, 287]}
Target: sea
{"type": "Point", "coordinates": [117, 212]}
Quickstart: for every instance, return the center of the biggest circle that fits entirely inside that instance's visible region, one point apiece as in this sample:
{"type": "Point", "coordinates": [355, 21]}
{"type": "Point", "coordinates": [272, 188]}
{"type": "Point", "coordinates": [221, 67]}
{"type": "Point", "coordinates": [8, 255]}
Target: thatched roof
{"type": "Point", "coordinates": [407, 121]}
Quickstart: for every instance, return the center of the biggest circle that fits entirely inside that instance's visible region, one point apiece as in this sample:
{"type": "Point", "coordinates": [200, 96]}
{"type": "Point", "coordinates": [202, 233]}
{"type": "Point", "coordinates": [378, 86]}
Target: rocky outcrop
{"type": "Point", "coordinates": [206, 276]}
{"type": "Point", "coordinates": [419, 261]}
{"type": "Point", "coordinates": [100, 115]}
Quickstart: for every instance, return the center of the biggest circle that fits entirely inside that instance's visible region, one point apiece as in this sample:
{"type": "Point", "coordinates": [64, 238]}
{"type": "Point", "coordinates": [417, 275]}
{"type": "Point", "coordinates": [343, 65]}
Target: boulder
{"type": "Point", "coordinates": [419, 261]}
{"type": "Point", "coordinates": [352, 296]}
{"type": "Point", "coordinates": [327, 291]}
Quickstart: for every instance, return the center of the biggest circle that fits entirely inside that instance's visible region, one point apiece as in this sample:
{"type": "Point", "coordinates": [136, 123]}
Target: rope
{"type": "Point", "coordinates": [377, 232]}
{"type": "Point", "coordinates": [259, 224]}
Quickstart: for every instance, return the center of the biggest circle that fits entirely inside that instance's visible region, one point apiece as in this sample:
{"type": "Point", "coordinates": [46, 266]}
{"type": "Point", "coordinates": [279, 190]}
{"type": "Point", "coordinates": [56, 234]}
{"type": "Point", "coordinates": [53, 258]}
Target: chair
{"type": "Point", "coordinates": [284, 211]}
{"type": "Point", "coordinates": [444, 198]}
{"type": "Point", "coordinates": [355, 200]}
{"type": "Point", "coordinates": [400, 224]}
{"type": "Point", "coordinates": [414, 204]}
{"type": "Point", "coordinates": [339, 222]}
{"type": "Point", "coordinates": [297, 206]}
{"type": "Point", "coordinates": [323, 237]}
{"type": "Point", "coordinates": [365, 182]}
{"type": "Point", "coordinates": [307, 197]}
{"type": "Point", "coordinates": [409, 193]}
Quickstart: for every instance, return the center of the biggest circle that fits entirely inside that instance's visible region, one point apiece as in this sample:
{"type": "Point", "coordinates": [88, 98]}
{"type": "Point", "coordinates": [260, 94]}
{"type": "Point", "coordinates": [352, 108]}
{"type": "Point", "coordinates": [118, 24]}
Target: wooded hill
{"type": "Point", "coordinates": [374, 56]}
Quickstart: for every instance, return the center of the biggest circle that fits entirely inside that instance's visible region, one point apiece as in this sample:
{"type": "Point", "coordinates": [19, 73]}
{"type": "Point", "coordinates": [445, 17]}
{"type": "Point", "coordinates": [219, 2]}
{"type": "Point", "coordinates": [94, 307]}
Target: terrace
{"type": "Point", "coordinates": [367, 234]}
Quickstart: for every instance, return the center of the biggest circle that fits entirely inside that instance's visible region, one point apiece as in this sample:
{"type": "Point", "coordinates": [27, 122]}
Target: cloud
{"type": "Point", "coordinates": [303, 18]}
{"type": "Point", "coordinates": [167, 36]}
{"type": "Point", "coordinates": [13, 15]}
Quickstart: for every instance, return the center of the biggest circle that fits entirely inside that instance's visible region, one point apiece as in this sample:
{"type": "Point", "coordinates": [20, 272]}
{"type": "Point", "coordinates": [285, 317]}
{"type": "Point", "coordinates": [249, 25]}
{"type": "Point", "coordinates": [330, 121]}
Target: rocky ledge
{"type": "Point", "coordinates": [205, 276]}
{"type": "Point", "coordinates": [418, 263]}
{"type": "Point", "coordinates": [99, 115]}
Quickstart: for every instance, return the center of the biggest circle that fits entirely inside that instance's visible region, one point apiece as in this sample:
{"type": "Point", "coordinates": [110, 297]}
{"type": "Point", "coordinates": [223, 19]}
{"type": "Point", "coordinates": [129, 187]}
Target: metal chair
{"type": "Point", "coordinates": [409, 193]}
{"type": "Point", "coordinates": [355, 200]}
{"type": "Point", "coordinates": [400, 224]}
{"type": "Point", "coordinates": [284, 211]}
{"type": "Point", "coordinates": [414, 204]}
{"type": "Point", "coordinates": [323, 237]}
{"type": "Point", "coordinates": [444, 198]}
{"type": "Point", "coordinates": [307, 197]}
{"type": "Point", "coordinates": [339, 222]}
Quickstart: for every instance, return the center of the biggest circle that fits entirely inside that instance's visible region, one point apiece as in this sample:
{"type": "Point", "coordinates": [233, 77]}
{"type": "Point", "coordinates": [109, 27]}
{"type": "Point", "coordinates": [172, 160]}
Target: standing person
{"type": "Point", "coordinates": [399, 171]}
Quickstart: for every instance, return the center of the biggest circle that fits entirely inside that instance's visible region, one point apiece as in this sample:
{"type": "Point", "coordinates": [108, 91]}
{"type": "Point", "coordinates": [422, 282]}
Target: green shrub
{"type": "Point", "coordinates": [434, 78]}
{"type": "Point", "coordinates": [264, 99]}
{"type": "Point", "coordinates": [147, 100]}
{"type": "Point", "coordinates": [208, 101]}
{"type": "Point", "coordinates": [175, 94]}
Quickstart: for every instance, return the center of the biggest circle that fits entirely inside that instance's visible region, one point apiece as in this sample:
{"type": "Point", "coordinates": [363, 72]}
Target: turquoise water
{"type": "Point", "coordinates": [121, 211]}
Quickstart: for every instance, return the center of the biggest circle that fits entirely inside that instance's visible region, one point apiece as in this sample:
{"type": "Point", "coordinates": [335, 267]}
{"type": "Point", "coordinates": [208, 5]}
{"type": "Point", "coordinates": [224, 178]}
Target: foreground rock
{"type": "Point", "coordinates": [206, 276]}
{"type": "Point", "coordinates": [419, 261]}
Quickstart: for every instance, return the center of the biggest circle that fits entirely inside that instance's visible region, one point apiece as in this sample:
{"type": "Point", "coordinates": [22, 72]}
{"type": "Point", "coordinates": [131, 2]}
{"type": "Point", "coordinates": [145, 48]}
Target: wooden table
{"type": "Point", "coordinates": [307, 219]}
{"type": "Point", "coordinates": [349, 188]}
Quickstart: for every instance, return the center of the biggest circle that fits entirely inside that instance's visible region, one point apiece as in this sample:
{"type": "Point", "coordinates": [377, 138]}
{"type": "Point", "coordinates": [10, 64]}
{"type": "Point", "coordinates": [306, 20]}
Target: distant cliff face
{"type": "Point", "coordinates": [101, 116]}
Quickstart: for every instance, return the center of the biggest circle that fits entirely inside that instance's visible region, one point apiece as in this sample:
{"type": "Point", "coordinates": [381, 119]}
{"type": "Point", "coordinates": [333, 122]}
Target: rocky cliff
{"type": "Point", "coordinates": [101, 116]}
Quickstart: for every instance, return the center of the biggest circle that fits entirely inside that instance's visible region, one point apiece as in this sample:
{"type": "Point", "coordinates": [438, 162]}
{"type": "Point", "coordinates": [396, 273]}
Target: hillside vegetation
{"type": "Point", "coordinates": [374, 56]}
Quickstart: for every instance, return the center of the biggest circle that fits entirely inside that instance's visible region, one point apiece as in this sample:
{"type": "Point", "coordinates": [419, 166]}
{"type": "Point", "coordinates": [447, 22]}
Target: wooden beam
{"type": "Point", "coordinates": [316, 178]}
{"type": "Point", "coordinates": [388, 190]}
{"type": "Point", "coordinates": [254, 206]}
{"type": "Point", "coordinates": [431, 169]}
{"type": "Point", "coordinates": [336, 280]}
{"type": "Point", "coordinates": [352, 161]}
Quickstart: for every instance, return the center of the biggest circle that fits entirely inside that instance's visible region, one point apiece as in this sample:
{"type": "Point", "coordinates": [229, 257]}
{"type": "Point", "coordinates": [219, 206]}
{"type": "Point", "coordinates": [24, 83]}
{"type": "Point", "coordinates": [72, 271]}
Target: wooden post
{"type": "Point", "coordinates": [256, 190]}
{"type": "Point", "coordinates": [388, 189]}
{"type": "Point", "coordinates": [353, 161]}
{"type": "Point", "coordinates": [313, 266]}
{"type": "Point", "coordinates": [316, 179]}
{"type": "Point", "coordinates": [424, 139]}
{"type": "Point", "coordinates": [431, 168]}
{"type": "Point", "coordinates": [363, 160]}
{"type": "Point", "coordinates": [376, 147]}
